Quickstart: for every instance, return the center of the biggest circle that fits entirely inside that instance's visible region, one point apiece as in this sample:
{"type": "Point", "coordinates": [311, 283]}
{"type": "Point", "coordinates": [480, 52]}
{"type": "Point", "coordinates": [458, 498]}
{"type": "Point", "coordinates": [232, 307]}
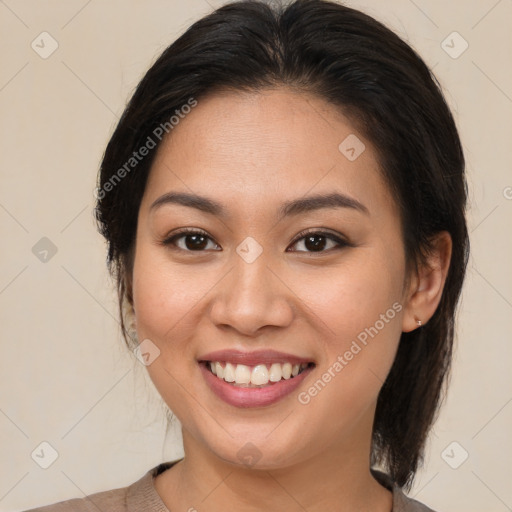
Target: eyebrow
{"type": "Point", "coordinates": [287, 209]}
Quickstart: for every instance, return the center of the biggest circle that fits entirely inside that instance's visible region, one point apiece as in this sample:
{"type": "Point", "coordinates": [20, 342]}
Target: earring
{"type": "Point", "coordinates": [418, 322]}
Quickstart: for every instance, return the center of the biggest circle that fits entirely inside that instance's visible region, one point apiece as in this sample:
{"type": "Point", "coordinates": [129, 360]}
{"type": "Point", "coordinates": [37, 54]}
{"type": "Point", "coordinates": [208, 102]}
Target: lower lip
{"type": "Point", "coordinates": [252, 397]}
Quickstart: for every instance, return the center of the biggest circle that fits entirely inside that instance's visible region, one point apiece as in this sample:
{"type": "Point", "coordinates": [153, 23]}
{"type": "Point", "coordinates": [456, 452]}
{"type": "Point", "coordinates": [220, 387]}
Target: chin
{"type": "Point", "coordinates": [257, 453]}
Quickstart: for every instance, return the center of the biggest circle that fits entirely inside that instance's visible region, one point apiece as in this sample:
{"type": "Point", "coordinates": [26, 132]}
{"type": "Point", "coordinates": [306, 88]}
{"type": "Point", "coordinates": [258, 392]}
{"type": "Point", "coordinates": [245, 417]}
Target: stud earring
{"type": "Point", "coordinates": [418, 322]}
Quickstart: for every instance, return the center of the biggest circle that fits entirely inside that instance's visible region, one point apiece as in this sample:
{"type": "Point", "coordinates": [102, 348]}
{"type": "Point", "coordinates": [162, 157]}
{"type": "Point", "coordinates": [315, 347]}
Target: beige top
{"type": "Point", "coordinates": [141, 496]}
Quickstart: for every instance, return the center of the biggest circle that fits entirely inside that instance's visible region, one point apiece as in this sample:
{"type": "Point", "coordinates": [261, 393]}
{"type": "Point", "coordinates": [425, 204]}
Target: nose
{"type": "Point", "coordinates": [252, 296]}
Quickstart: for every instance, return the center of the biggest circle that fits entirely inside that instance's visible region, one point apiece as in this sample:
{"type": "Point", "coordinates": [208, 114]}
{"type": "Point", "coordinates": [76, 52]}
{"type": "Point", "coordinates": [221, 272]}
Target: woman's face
{"type": "Point", "coordinates": [253, 292]}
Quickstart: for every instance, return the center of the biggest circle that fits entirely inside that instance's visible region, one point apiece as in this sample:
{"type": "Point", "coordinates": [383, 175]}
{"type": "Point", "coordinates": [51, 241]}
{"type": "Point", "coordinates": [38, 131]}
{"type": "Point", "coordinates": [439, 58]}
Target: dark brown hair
{"type": "Point", "coordinates": [354, 62]}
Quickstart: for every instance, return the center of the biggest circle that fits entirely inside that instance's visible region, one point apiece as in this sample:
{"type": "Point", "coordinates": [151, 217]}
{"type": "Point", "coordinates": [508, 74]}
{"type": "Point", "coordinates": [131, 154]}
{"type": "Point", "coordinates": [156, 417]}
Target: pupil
{"type": "Point", "coordinates": [199, 242]}
{"type": "Point", "coordinates": [314, 246]}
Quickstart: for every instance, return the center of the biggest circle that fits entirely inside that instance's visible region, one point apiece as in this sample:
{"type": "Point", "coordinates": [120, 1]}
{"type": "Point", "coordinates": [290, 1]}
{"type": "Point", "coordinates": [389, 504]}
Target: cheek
{"type": "Point", "coordinates": [359, 312]}
{"type": "Point", "coordinates": [162, 294]}
{"type": "Point", "coordinates": [352, 297]}
{"type": "Point", "coordinates": [164, 300]}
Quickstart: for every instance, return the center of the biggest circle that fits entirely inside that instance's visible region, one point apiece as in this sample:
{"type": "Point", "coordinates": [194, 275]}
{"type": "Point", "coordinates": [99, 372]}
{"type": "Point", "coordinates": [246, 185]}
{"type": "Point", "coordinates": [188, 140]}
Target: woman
{"type": "Point", "coordinates": [283, 201]}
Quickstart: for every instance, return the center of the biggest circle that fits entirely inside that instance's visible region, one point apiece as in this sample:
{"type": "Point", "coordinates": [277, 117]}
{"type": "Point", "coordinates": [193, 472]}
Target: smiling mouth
{"type": "Point", "coordinates": [257, 376]}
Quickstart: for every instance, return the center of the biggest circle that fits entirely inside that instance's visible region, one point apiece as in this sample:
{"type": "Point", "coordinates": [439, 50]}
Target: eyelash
{"type": "Point", "coordinates": [187, 231]}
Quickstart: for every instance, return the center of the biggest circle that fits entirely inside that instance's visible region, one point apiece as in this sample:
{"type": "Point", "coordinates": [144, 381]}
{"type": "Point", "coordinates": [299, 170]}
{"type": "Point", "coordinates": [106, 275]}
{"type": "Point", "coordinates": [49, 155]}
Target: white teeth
{"type": "Point", "coordinates": [259, 375]}
{"type": "Point", "coordinates": [287, 370]}
{"type": "Point", "coordinates": [229, 373]}
{"type": "Point", "coordinates": [242, 374]}
{"type": "Point", "coordinates": [275, 373]}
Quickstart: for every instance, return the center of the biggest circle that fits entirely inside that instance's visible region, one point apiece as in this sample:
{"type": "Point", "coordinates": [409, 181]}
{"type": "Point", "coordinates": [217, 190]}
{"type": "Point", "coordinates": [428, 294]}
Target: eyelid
{"type": "Point", "coordinates": [340, 240]}
{"type": "Point", "coordinates": [169, 240]}
{"type": "Point", "coordinates": [336, 237]}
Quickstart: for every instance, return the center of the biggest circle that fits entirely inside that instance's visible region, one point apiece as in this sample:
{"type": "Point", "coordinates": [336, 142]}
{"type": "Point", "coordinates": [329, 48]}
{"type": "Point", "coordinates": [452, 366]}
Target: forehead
{"type": "Point", "coordinates": [252, 147]}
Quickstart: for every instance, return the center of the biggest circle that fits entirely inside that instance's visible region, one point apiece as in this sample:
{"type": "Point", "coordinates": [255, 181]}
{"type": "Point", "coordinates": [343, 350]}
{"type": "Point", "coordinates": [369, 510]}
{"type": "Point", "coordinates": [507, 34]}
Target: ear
{"type": "Point", "coordinates": [427, 284]}
{"type": "Point", "coordinates": [126, 290]}
{"type": "Point", "coordinates": [126, 271]}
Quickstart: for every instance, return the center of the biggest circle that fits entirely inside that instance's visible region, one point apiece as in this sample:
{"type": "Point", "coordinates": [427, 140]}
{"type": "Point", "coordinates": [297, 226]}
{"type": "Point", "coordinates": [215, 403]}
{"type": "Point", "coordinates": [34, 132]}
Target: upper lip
{"type": "Point", "coordinates": [253, 358]}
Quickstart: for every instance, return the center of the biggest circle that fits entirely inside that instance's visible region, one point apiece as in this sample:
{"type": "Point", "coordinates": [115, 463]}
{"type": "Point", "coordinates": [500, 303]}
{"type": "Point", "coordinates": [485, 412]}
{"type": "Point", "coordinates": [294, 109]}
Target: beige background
{"type": "Point", "coordinates": [66, 377]}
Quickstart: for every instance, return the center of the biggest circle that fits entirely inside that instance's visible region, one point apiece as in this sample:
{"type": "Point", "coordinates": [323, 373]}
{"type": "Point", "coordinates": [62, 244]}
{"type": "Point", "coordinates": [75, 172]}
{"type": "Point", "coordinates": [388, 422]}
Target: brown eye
{"type": "Point", "coordinates": [195, 242]}
{"type": "Point", "coordinates": [192, 240]}
{"type": "Point", "coordinates": [317, 241]}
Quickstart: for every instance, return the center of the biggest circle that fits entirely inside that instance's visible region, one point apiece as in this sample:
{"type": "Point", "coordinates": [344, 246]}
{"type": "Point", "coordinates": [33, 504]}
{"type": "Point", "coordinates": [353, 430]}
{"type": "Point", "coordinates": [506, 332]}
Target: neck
{"type": "Point", "coordinates": [337, 479]}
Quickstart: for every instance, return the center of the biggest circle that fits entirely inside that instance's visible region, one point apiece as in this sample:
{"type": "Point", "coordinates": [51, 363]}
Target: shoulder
{"type": "Point", "coordinates": [401, 502]}
{"type": "Point", "coordinates": [113, 500]}
{"type": "Point", "coordinates": [140, 495]}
